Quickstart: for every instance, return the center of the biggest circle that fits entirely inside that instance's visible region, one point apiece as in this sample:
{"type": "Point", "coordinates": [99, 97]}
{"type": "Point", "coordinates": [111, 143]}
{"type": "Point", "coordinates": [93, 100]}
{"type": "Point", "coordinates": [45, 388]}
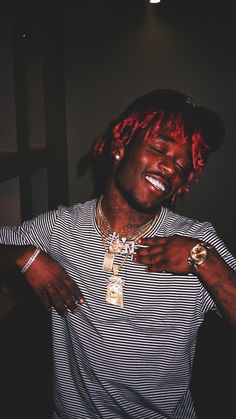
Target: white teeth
{"type": "Point", "coordinates": [155, 182]}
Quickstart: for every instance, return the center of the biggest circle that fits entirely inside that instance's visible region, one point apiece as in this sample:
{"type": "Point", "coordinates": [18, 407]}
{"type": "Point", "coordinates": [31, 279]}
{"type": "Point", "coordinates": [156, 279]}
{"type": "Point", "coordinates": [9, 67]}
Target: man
{"type": "Point", "coordinates": [147, 275]}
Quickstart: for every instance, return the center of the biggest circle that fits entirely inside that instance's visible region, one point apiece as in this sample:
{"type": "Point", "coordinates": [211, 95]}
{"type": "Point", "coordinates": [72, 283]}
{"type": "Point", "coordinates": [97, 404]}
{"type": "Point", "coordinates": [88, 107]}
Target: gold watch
{"type": "Point", "coordinates": [198, 255]}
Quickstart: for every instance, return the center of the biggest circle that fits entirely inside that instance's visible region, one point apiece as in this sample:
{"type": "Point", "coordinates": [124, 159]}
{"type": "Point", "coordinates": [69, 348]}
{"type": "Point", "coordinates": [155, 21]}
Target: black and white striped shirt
{"type": "Point", "coordinates": [131, 362]}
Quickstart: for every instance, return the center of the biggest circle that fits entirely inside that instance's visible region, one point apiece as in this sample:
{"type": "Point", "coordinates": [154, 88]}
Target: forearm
{"type": "Point", "coordinates": [171, 254]}
{"type": "Point", "coordinates": [14, 257]}
{"type": "Point", "coordinates": [47, 278]}
{"type": "Point", "coordinates": [220, 280]}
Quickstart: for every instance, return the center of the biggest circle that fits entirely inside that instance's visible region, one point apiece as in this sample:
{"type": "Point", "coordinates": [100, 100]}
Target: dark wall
{"type": "Point", "coordinates": [116, 51]}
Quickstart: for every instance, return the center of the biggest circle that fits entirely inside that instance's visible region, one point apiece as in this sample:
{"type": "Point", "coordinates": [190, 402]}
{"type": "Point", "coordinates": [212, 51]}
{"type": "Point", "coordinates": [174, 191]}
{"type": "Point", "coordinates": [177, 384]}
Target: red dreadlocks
{"type": "Point", "coordinates": [149, 125]}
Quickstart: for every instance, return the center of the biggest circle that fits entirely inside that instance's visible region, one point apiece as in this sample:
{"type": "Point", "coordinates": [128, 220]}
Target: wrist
{"type": "Point", "coordinates": [198, 255]}
{"type": "Point", "coordinates": [23, 254]}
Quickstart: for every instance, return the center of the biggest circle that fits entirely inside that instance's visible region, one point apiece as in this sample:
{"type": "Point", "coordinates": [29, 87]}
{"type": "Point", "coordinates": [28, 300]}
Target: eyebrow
{"type": "Point", "coordinates": [165, 138]}
{"type": "Point", "coordinates": [172, 140]}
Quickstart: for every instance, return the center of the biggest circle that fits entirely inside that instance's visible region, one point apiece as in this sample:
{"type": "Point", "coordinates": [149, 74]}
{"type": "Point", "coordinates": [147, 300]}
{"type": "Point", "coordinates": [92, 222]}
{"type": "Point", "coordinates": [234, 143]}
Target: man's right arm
{"type": "Point", "coordinates": [47, 278]}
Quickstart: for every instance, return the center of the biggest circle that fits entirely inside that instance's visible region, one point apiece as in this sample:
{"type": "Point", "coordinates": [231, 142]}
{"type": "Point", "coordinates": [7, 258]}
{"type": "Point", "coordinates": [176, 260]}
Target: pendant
{"type": "Point", "coordinates": [129, 247]}
{"type": "Point", "coordinates": [108, 262]}
{"type": "Point", "coordinates": [114, 294]}
{"type": "Point", "coordinates": [120, 245]}
{"type": "Point", "coordinates": [116, 245]}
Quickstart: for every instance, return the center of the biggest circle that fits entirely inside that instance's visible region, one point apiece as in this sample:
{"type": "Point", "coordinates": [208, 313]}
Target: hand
{"type": "Point", "coordinates": [53, 285]}
{"type": "Point", "coordinates": [169, 254]}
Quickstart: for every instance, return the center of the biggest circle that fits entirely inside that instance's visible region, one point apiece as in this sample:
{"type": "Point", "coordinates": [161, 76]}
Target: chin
{"type": "Point", "coordinates": [148, 208]}
{"type": "Point", "coordinates": [141, 204]}
{"type": "Point", "coordinates": [145, 203]}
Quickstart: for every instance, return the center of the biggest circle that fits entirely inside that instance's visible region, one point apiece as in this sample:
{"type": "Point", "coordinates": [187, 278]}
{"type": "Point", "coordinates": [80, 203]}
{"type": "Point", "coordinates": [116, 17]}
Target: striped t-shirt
{"type": "Point", "coordinates": [112, 362]}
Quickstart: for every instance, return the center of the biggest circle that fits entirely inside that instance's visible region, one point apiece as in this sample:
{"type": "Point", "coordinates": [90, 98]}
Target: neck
{"type": "Point", "coordinates": [122, 218]}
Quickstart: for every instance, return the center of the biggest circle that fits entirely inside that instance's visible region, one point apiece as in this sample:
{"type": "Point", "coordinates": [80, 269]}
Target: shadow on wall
{"type": "Point", "coordinates": [100, 169]}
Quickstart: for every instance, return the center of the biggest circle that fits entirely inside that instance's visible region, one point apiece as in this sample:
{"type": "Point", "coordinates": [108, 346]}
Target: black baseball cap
{"type": "Point", "coordinates": [211, 125]}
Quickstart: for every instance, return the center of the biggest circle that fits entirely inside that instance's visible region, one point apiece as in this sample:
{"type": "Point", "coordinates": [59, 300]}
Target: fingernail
{"type": "Point", "coordinates": [81, 300]}
{"type": "Point", "coordinates": [74, 311]}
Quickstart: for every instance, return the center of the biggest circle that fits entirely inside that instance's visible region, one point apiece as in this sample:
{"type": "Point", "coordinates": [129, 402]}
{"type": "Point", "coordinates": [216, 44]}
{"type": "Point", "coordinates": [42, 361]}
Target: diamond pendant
{"type": "Point", "coordinates": [108, 262]}
{"type": "Point", "coordinates": [114, 294]}
{"type": "Point", "coordinates": [116, 245]}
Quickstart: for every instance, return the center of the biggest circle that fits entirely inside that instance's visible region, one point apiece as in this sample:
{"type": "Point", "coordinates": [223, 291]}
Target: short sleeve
{"type": "Point", "coordinates": [36, 232]}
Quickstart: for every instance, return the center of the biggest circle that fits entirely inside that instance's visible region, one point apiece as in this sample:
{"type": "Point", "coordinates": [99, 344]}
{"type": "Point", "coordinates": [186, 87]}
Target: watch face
{"type": "Point", "coordinates": [198, 253]}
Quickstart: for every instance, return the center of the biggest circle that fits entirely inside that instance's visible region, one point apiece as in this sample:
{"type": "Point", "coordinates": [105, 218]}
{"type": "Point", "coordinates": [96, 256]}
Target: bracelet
{"type": "Point", "coordinates": [31, 260]}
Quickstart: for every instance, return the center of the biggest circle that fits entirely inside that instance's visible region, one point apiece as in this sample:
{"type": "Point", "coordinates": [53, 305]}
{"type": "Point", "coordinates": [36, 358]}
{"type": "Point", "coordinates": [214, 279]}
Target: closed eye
{"type": "Point", "coordinates": [183, 169]}
{"type": "Point", "coordinates": [180, 166]}
{"type": "Point", "coordinates": [157, 150]}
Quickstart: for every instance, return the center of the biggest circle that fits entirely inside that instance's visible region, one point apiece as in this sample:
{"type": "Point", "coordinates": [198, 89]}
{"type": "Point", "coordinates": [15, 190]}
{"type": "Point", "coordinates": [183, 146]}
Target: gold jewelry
{"type": "Point", "coordinates": [30, 260]}
{"type": "Point", "coordinates": [198, 255]}
{"type": "Point", "coordinates": [115, 245]}
{"type": "Point", "coordinates": [137, 233]}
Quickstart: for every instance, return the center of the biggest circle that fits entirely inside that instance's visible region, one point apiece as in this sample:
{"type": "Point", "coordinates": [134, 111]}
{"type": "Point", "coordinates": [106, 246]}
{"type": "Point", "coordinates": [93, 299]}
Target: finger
{"type": "Point", "coordinates": [43, 296]}
{"type": "Point", "coordinates": [56, 300]}
{"type": "Point", "coordinates": [150, 257]}
{"type": "Point", "coordinates": [154, 250]}
{"type": "Point", "coordinates": [67, 298]}
{"type": "Point", "coordinates": [74, 289]}
{"type": "Point", "coordinates": [157, 267]}
{"type": "Point", "coordinates": [157, 247]}
{"type": "Point", "coordinates": [152, 241]}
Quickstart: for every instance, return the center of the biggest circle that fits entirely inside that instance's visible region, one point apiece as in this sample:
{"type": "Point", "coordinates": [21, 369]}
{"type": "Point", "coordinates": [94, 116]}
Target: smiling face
{"type": "Point", "coordinates": [151, 172]}
{"type": "Point", "coordinates": [125, 135]}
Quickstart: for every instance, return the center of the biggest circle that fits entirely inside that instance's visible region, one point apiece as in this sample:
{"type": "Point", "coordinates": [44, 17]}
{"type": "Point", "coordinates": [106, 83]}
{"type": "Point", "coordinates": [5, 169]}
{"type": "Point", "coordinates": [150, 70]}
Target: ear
{"type": "Point", "coordinates": [119, 153]}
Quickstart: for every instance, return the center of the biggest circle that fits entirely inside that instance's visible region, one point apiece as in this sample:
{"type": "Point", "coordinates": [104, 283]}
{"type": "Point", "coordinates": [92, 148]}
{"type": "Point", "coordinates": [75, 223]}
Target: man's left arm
{"type": "Point", "coordinates": [171, 254]}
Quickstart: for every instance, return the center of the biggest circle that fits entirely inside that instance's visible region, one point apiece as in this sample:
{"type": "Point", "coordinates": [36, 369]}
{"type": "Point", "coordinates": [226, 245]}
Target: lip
{"type": "Point", "coordinates": [158, 182]}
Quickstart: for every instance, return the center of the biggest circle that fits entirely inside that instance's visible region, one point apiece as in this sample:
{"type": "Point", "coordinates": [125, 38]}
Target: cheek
{"type": "Point", "coordinates": [128, 168]}
{"type": "Point", "coordinates": [178, 183]}
{"type": "Point", "coordinates": [138, 163]}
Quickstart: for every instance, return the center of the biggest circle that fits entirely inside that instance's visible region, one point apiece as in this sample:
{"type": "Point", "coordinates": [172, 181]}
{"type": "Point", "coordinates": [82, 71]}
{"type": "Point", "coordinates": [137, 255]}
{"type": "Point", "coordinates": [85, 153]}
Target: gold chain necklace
{"type": "Point", "coordinates": [139, 232]}
{"type": "Point", "coordinates": [114, 245]}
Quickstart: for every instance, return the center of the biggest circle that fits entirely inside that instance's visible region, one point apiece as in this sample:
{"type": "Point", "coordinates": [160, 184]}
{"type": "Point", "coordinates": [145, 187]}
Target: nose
{"type": "Point", "coordinates": [167, 168]}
